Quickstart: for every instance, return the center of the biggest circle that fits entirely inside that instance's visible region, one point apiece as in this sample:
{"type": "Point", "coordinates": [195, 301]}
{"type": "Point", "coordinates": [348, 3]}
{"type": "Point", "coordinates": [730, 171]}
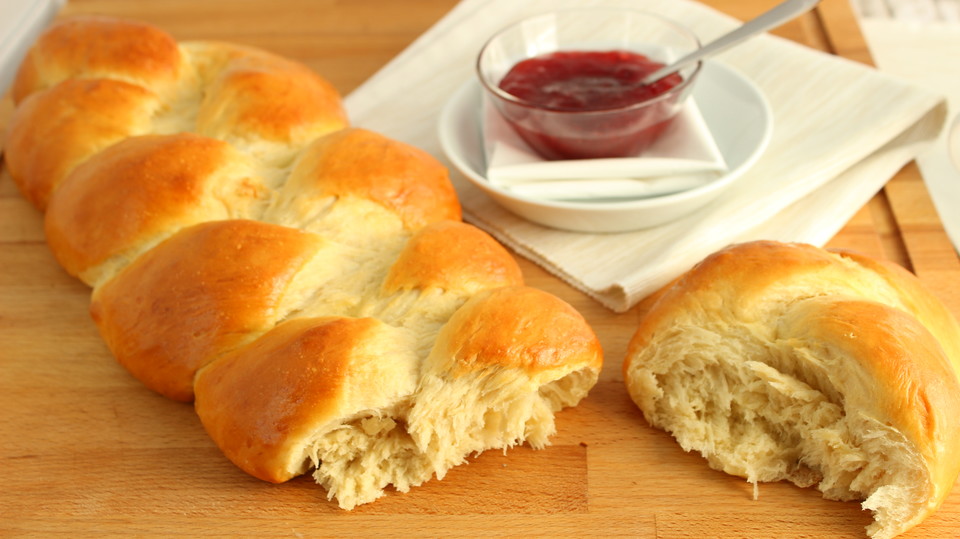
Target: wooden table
{"type": "Point", "coordinates": [86, 450]}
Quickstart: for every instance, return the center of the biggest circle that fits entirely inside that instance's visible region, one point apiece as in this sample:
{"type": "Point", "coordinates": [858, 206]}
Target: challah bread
{"type": "Point", "coordinates": [784, 361]}
{"type": "Point", "coordinates": [309, 285]}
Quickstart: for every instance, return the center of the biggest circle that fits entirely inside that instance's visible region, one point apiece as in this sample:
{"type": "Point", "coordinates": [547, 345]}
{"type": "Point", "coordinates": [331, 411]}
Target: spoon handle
{"type": "Point", "coordinates": [779, 14]}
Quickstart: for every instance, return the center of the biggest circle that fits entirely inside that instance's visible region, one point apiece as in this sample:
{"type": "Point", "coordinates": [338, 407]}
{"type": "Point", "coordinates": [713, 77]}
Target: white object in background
{"type": "Point", "coordinates": [21, 21]}
{"type": "Point", "coordinates": [926, 53]}
{"type": "Point", "coordinates": [953, 141]}
{"type": "Point", "coordinates": [909, 10]}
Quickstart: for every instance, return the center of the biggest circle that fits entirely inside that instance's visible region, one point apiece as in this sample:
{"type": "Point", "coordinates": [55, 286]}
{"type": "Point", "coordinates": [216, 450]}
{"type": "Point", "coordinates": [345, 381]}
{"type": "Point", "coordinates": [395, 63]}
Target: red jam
{"type": "Point", "coordinates": [597, 83]}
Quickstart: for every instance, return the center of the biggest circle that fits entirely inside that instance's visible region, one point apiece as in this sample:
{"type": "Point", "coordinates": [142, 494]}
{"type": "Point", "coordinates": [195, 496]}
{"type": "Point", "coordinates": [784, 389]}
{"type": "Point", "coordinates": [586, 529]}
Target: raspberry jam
{"type": "Point", "coordinates": [573, 103]}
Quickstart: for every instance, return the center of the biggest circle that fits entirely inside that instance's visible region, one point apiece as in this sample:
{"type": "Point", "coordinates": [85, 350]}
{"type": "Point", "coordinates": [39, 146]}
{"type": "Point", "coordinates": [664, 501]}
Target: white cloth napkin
{"type": "Point", "coordinates": [683, 157]}
{"type": "Point", "coordinates": [841, 131]}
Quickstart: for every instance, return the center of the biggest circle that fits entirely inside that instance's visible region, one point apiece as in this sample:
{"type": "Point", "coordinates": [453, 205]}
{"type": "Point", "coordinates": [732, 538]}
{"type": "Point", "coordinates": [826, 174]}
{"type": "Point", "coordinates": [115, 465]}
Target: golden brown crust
{"type": "Point", "coordinates": [95, 47]}
{"type": "Point", "coordinates": [748, 272]}
{"type": "Point", "coordinates": [917, 300]}
{"type": "Point", "coordinates": [517, 327]}
{"type": "Point", "coordinates": [162, 182]}
{"type": "Point", "coordinates": [94, 81]}
{"type": "Point", "coordinates": [199, 294]}
{"type": "Point", "coordinates": [263, 403]}
{"type": "Point", "coordinates": [359, 163]}
{"type": "Point", "coordinates": [55, 130]}
{"type": "Point", "coordinates": [451, 255]}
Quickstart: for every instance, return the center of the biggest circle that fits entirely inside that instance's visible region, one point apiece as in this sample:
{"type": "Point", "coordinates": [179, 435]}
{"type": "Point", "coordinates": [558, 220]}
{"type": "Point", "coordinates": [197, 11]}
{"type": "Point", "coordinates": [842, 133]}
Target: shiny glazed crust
{"type": "Point", "coordinates": [137, 52]}
{"type": "Point", "coordinates": [51, 132]}
{"type": "Point", "coordinates": [291, 275]}
{"type": "Point", "coordinates": [785, 361]}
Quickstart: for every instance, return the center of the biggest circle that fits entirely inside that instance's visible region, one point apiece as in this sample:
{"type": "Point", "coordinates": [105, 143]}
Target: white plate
{"type": "Point", "coordinates": [734, 109]}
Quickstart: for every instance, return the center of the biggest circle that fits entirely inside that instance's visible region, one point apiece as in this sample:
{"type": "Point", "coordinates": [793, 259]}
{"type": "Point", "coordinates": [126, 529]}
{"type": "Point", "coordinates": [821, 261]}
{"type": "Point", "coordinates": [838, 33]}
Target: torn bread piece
{"type": "Point", "coordinates": [788, 362]}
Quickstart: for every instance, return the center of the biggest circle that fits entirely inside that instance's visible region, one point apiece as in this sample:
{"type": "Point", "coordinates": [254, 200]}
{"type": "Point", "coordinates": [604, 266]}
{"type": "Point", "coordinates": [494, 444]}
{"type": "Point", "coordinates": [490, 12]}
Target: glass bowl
{"type": "Point", "coordinates": [565, 133]}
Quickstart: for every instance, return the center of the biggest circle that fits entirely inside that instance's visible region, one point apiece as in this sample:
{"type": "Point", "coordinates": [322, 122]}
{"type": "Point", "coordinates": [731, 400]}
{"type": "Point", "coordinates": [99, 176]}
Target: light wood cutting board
{"type": "Point", "coordinates": [86, 450]}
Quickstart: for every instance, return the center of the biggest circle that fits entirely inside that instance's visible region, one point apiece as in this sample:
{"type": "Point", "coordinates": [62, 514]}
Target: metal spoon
{"type": "Point", "coordinates": [780, 14]}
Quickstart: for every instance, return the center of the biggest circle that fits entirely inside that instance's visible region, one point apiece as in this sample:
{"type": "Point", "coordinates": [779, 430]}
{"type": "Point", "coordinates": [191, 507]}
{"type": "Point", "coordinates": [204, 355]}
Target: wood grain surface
{"type": "Point", "coordinates": [85, 450]}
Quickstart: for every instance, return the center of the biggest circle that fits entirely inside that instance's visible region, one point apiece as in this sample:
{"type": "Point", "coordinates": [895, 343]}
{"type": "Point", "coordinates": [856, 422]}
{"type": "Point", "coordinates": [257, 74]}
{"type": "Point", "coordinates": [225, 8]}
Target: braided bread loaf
{"type": "Point", "coordinates": [784, 361]}
{"type": "Point", "coordinates": [309, 285]}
